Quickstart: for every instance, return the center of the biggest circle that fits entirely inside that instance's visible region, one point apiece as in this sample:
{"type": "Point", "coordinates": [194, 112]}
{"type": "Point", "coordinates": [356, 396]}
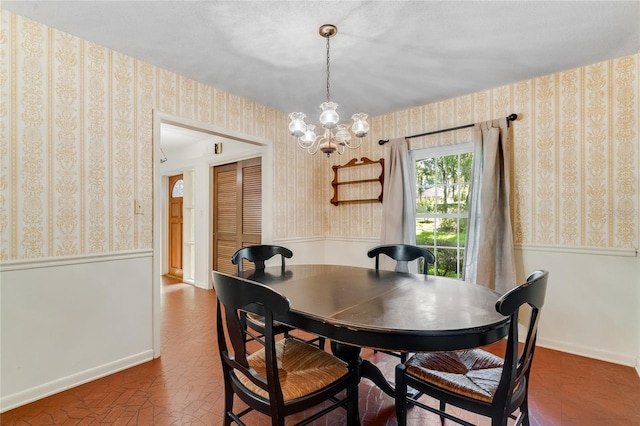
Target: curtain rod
{"type": "Point", "coordinates": [511, 117]}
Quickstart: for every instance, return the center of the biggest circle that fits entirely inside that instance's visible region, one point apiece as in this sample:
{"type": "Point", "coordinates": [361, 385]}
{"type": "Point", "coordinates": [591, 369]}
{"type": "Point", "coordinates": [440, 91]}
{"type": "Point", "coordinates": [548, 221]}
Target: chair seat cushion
{"type": "Point", "coordinates": [302, 368]}
{"type": "Point", "coordinates": [473, 373]}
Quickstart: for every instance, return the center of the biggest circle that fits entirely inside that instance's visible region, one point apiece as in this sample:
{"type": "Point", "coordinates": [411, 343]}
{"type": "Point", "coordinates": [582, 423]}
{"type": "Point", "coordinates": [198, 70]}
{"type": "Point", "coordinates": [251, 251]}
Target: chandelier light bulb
{"type": "Point", "coordinates": [309, 137]}
{"type": "Point", "coordinates": [342, 135]}
{"type": "Point", "coordinates": [329, 117]}
{"type": "Point", "coordinates": [297, 126]}
{"type": "Point", "coordinates": [360, 127]}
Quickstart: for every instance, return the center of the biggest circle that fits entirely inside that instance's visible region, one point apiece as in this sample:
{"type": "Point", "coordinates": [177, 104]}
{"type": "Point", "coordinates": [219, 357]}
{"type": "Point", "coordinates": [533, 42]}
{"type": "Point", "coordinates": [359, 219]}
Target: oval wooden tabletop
{"type": "Point", "coordinates": [386, 310]}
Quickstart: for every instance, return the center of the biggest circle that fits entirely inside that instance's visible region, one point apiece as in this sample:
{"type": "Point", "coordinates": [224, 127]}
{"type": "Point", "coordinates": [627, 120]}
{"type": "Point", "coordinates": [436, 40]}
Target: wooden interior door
{"type": "Point", "coordinates": [237, 210]}
{"type": "Point", "coordinates": [175, 225]}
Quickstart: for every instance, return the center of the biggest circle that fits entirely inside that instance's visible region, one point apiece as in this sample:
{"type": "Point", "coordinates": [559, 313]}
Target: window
{"type": "Point", "coordinates": [178, 189]}
{"type": "Point", "coordinates": [443, 183]}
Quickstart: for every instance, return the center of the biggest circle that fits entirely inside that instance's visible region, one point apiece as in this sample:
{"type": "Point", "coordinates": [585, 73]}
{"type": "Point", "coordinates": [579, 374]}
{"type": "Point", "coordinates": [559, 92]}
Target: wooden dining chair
{"type": "Point", "coordinates": [476, 380]}
{"type": "Point", "coordinates": [403, 254]}
{"type": "Point", "coordinates": [283, 377]}
{"type": "Point", "coordinates": [258, 255]}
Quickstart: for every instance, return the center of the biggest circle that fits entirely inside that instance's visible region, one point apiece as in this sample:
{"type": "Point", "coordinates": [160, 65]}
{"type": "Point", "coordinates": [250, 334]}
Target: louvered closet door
{"type": "Point", "coordinates": [237, 218]}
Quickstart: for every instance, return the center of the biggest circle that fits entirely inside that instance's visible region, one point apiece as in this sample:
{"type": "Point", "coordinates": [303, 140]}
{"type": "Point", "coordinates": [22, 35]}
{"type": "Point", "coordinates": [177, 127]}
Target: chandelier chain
{"type": "Point", "coordinates": [328, 72]}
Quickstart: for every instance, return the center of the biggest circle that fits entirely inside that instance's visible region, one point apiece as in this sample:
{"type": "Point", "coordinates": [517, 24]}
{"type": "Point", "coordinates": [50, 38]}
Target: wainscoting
{"type": "Point", "coordinates": [184, 385]}
{"type": "Point", "coordinates": [68, 321]}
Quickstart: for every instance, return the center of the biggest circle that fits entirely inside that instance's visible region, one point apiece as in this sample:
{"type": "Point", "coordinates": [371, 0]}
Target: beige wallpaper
{"type": "Point", "coordinates": [575, 154]}
{"type": "Point", "coordinates": [76, 145]}
{"type": "Point", "coordinates": [76, 149]}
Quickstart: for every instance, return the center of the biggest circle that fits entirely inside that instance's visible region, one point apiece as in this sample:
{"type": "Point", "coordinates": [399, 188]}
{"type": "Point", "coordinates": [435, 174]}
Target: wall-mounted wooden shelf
{"type": "Point", "coordinates": [354, 163]}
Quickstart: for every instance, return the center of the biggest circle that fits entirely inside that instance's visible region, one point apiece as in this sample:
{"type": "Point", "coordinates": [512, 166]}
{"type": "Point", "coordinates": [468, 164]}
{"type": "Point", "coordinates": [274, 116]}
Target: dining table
{"type": "Point", "coordinates": [358, 307]}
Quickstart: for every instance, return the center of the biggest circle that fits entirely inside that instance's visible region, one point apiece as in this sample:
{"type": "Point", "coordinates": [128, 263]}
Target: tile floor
{"type": "Point", "coordinates": [183, 386]}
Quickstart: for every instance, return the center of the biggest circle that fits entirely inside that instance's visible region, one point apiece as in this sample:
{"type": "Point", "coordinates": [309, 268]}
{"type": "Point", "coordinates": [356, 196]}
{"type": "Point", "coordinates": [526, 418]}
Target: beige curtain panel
{"type": "Point", "coordinates": [398, 207]}
{"type": "Point", "coordinates": [489, 258]}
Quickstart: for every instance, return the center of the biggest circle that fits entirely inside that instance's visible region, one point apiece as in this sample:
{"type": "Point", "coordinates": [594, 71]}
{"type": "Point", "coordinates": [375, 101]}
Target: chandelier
{"type": "Point", "coordinates": [328, 142]}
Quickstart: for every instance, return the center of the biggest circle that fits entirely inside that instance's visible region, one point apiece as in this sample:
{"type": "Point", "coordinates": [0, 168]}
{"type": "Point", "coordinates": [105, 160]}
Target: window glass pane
{"type": "Point", "coordinates": [466, 167]}
{"type": "Point", "coordinates": [447, 232]}
{"type": "Point", "coordinates": [439, 171]}
{"type": "Point", "coordinates": [447, 262]}
{"type": "Point", "coordinates": [178, 189]}
{"type": "Point", "coordinates": [462, 231]}
{"type": "Point", "coordinates": [425, 232]}
{"type": "Point", "coordinates": [450, 199]}
{"type": "Point", "coordinates": [465, 191]}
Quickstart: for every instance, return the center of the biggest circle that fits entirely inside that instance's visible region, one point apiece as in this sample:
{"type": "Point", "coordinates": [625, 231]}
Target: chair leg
{"type": "Point", "coordinates": [443, 407]}
{"type": "Point", "coordinates": [401, 390]}
{"type": "Point", "coordinates": [524, 410]}
{"type": "Point", "coordinates": [228, 400]}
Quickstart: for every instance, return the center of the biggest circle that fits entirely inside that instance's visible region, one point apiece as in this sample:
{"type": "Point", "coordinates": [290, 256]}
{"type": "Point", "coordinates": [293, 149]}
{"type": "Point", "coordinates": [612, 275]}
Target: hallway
{"type": "Point", "coordinates": [183, 386]}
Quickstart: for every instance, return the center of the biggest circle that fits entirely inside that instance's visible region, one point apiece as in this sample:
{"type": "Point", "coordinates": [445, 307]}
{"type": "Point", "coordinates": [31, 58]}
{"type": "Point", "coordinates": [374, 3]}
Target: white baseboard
{"type": "Point", "coordinates": [581, 351]}
{"type": "Point", "coordinates": [586, 352]}
{"type": "Point", "coordinates": [201, 285]}
{"type": "Point", "coordinates": [38, 392]}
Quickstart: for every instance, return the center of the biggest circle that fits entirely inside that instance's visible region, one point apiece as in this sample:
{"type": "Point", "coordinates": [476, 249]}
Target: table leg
{"type": "Point", "coordinates": [366, 369]}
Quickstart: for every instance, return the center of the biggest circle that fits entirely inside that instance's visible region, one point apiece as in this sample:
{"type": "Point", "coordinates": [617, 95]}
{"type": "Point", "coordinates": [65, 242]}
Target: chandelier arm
{"type": "Point", "coordinates": [300, 144]}
{"type": "Point", "coordinates": [352, 146]}
{"type": "Point", "coordinates": [312, 151]}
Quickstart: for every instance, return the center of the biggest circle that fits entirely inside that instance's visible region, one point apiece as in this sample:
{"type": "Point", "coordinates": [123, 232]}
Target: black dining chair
{"type": "Point", "coordinates": [284, 377]}
{"type": "Point", "coordinates": [476, 380]}
{"type": "Point", "coordinates": [403, 254]}
{"type": "Point", "coordinates": [258, 255]}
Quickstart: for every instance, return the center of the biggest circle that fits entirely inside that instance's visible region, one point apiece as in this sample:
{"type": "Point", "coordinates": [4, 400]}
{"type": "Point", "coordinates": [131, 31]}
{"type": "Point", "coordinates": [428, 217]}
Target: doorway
{"type": "Point", "coordinates": [175, 215]}
{"type": "Point", "coordinates": [195, 161]}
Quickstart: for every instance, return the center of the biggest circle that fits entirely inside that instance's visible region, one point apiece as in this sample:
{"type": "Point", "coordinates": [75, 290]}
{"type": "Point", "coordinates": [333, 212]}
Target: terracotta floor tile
{"type": "Point", "coordinates": [183, 387]}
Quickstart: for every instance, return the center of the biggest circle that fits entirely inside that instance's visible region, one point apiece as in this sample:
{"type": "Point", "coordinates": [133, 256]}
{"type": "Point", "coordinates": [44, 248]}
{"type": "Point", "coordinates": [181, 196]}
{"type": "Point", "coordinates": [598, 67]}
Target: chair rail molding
{"type": "Point", "coordinates": [600, 251]}
{"type": "Point", "coordinates": [50, 262]}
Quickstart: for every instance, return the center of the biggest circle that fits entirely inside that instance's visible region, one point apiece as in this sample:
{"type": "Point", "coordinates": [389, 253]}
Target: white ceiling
{"type": "Point", "coordinates": [387, 55]}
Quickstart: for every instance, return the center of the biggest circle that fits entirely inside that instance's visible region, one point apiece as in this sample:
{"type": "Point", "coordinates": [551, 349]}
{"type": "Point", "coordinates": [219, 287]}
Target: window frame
{"type": "Point", "coordinates": [435, 152]}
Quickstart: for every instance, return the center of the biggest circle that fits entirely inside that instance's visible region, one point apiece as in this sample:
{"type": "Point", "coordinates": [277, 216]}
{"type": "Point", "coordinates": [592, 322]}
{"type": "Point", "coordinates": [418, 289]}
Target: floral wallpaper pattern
{"type": "Point", "coordinates": [76, 130]}
{"type": "Point", "coordinates": [575, 153]}
{"type": "Point", "coordinates": [76, 144]}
